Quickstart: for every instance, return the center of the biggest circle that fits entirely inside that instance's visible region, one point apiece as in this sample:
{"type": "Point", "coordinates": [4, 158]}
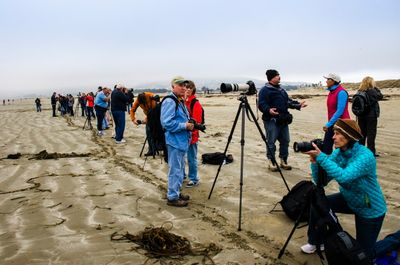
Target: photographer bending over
{"type": "Point", "coordinates": [146, 101]}
{"type": "Point", "coordinates": [353, 166]}
{"type": "Point", "coordinates": [274, 103]}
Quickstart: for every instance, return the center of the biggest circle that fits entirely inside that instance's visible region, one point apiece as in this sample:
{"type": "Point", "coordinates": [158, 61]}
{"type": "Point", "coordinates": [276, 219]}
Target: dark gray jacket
{"type": "Point", "coordinates": [374, 95]}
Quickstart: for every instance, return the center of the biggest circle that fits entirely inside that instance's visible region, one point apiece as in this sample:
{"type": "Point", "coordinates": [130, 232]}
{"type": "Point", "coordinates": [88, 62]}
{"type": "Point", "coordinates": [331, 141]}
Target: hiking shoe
{"type": "Point", "coordinates": [285, 165]}
{"type": "Point", "coordinates": [120, 142]}
{"type": "Point", "coordinates": [310, 249]}
{"type": "Point", "coordinates": [272, 167]}
{"type": "Point", "coordinates": [177, 203]}
{"type": "Point", "coordinates": [192, 184]}
{"type": "Point", "coordinates": [100, 133]}
{"type": "Point", "coordinates": [184, 197]}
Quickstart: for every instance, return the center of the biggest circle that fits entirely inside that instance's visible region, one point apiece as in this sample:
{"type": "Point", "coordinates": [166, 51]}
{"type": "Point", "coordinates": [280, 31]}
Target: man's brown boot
{"type": "Point", "coordinates": [285, 165]}
{"type": "Point", "coordinates": [271, 166]}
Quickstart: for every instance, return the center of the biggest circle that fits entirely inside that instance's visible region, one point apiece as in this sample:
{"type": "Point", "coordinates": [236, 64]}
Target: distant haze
{"type": "Point", "coordinates": [72, 45]}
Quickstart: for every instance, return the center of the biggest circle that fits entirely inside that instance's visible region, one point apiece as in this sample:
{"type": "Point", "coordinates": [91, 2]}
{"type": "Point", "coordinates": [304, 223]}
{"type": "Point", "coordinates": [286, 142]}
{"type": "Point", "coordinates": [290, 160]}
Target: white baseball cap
{"type": "Point", "coordinates": [334, 77]}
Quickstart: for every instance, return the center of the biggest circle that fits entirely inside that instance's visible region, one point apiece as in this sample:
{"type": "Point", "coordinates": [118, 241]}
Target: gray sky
{"type": "Point", "coordinates": [57, 44]}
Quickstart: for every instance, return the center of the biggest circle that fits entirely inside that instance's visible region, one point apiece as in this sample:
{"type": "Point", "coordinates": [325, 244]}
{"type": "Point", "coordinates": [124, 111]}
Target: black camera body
{"type": "Point", "coordinates": [198, 126]}
{"type": "Point", "coordinates": [139, 121]}
{"type": "Point", "coordinates": [307, 146]}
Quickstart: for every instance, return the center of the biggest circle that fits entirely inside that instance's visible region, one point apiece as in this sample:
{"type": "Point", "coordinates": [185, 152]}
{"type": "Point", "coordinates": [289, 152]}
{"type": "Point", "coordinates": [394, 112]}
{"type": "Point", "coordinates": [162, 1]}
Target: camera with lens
{"type": "Point", "coordinates": [139, 122]}
{"type": "Point", "coordinates": [307, 146]}
{"type": "Point", "coordinates": [248, 89]}
{"type": "Point", "coordinates": [198, 126]}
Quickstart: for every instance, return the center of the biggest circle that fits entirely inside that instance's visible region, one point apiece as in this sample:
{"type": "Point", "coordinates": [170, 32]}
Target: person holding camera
{"type": "Point", "coordinates": [175, 121]}
{"type": "Point", "coordinates": [337, 104]}
{"type": "Point", "coordinates": [195, 111]}
{"type": "Point", "coordinates": [119, 99]}
{"type": "Point", "coordinates": [101, 105]}
{"type": "Point", "coordinates": [353, 167]}
{"type": "Point", "coordinates": [274, 103]}
{"type": "Point", "coordinates": [368, 121]}
{"type": "Point", "coordinates": [147, 101]}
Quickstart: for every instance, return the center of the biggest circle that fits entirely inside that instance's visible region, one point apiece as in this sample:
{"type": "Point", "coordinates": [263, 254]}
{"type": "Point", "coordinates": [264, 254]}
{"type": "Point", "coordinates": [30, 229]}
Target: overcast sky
{"type": "Point", "coordinates": [49, 45]}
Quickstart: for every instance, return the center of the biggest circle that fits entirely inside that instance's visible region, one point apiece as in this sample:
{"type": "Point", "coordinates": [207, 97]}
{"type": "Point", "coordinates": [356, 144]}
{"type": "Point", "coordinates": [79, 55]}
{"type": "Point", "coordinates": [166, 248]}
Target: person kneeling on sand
{"type": "Point", "coordinates": [353, 166]}
{"type": "Point", "coordinates": [175, 121]}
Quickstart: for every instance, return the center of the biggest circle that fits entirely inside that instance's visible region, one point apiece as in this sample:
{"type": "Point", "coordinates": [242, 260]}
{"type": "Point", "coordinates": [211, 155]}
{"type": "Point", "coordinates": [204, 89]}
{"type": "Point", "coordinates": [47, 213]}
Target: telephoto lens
{"type": "Point", "coordinates": [307, 146]}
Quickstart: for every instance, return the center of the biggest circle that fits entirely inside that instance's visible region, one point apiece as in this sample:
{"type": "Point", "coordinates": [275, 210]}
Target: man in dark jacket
{"type": "Point", "coordinates": [54, 103]}
{"type": "Point", "coordinates": [119, 99]}
{"type": "Point", "coordinates": [274, 103]}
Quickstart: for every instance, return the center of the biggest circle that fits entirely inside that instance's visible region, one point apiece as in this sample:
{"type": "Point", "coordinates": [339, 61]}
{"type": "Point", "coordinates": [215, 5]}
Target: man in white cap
{"type": "Point", "coordinates": [337, 104]}
{"type": "Point", "coordinates": [175, 121]}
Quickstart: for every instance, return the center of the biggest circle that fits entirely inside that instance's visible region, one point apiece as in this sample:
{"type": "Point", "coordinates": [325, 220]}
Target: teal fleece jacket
{"type": "Point", "coordinates": [355, 171]}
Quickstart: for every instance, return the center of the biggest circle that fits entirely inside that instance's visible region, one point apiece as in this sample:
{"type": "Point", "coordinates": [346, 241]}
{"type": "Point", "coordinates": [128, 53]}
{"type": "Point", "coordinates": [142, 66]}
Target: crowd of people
{"type": "Point", "coordinates": [343, 156]}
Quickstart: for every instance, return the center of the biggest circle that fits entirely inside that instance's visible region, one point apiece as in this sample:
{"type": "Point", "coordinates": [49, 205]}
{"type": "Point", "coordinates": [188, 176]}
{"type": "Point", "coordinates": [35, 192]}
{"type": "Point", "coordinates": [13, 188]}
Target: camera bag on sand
{"type": "Point", "coordinates": [298, 200]}
{"type": "Point", "coordinates": [216, 158]}
{"type": "Point", "coordinates": [360, 103]}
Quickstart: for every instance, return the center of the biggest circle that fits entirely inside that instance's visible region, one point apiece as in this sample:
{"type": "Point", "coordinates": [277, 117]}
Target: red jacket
{"type": "Point", "coordinates": [332, 101]}
{"type": "Point", "coordinates": [195, 114]}
{"type": "Point", "coordinates": [89, 101]}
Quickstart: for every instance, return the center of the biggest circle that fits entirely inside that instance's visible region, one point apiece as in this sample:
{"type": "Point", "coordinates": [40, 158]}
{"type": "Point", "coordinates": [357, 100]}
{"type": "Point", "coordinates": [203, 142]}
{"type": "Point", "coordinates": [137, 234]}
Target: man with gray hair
{"type": "Point", "coordinates": [175, 121]}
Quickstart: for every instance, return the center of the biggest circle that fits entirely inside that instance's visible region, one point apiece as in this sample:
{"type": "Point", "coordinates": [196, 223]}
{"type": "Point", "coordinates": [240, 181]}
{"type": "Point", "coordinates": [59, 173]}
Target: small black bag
{"type": "Point", "coordinates": [342, 249]}
{"type": "Point", "coordinates": [216, 158]}
{"type": "Point", "coordinates": [298, 200]}
{"type": "Point", "coordinates": [284, 118]}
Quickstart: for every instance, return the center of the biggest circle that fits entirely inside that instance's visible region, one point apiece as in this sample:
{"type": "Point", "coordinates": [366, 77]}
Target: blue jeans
{"type": "Point", "coordinates": [192, 162]}
{"type": "Point", "coordinates": [176, 163]}
{"type": "Point", "coordinates": [275, 132]}
{"type": "Point", "coordinates": [119, 123]}
{"type": "Point", "coordinates": [367, 229]}
{"type": "Point", "coordinates": [100, 114]}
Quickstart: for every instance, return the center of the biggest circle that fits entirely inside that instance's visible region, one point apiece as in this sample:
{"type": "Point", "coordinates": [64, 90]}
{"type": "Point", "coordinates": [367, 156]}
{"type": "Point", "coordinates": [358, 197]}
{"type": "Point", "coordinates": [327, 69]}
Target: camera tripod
{"type": "Point", "coordinates": [244, 107]}
{"type": "Point", "coordinates": [88, 124]}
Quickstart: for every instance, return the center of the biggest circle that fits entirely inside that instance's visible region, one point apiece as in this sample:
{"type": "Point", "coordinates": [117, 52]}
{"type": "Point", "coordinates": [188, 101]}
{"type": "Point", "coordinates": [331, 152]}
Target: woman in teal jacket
{"type": "Point", "coordinates": [353, 166]}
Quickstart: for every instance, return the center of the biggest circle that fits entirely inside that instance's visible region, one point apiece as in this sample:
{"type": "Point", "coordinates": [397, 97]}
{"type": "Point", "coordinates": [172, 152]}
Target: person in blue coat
{"type": "Point", "coordinates": [353, 167]}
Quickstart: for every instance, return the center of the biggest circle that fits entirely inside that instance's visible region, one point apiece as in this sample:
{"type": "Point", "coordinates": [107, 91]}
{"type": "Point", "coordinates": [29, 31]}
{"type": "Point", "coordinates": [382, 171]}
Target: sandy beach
{"type": "Point", "coordinates": [64, 210]}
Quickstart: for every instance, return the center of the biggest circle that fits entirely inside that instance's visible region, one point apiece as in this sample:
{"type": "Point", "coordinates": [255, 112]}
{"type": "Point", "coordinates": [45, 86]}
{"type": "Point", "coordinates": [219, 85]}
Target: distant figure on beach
{"type": "Point", "coordinates": [4, 102]}
{"type": "Point", "coordinates": [196, 112]}
{"type": "Point", "coordinates": [38, 105]}
{"type": "Point", "coordinates": [337, 104]}
{"type": "Point", "coordinates": [119, 99]}
{"type": "Point", "coordinates": [82, 103]}
{"type": "Point", "coordinates": [89, 105]}
{"type": "Point", "coordinates": [147, 102]}
{"type": "Point", "coordinates": [71, 102]}
{"type": "Point", "coordinates": [54, 103]}
{"type": "Point", "coordinates": [368, 122]}
{"type": "Point", "coordinates": [101, 105]}
{"type": "Point", "coordinates": [175, 121]}
{"type": "Point", "coordinates": [274, 103]}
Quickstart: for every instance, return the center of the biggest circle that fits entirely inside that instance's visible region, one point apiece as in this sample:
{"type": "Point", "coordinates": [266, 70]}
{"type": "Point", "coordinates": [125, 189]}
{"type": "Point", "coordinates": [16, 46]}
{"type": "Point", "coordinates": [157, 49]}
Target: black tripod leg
{"type": "Point", "coordinates": [296, 224]}
{"type": "Point", "coordinates": [241, 164]}
{"type": "Point", "coordinates": [226, 147]}
{"type": "Point", "coordinates": [266, 143]}
{"type": "Point", "coordinates": [144, 144]}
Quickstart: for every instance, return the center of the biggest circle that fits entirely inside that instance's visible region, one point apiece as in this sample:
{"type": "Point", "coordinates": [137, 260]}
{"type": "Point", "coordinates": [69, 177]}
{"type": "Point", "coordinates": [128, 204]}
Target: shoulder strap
{"type": "Point", "coordinates": [192, 105]}
{"type": "Point", "coordinates": [174, 98]}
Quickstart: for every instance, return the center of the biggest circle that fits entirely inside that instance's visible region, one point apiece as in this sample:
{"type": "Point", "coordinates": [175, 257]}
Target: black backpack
{"type": "Point", "coordinates": [360, 103]}
{"type": "Point", "coordinates": [216, 158]}
{"type": "Point", "coordinates": [154, 123]}
{"type": "Point", "coordinates": [202, 110]}
{"type": "Point", "coordinates": [298, 200]}
{"type": "Point", "coordinates": [342, 249]}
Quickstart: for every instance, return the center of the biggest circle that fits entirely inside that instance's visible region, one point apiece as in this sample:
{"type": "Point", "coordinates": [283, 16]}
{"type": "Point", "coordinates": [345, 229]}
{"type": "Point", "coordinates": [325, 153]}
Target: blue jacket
{"type": "Point", "coordinates": [275, 97]}
{"type": "Point", "coordinates": [173, 121]}
{"type": "Point", "coordinates": [355, 172]}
